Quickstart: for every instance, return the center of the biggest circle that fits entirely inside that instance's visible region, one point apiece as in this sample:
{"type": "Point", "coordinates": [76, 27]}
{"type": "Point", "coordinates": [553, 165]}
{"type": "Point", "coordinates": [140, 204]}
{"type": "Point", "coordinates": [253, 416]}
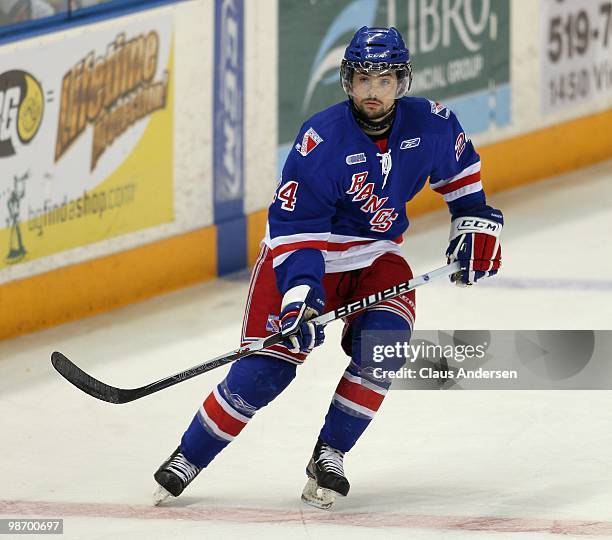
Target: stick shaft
{"type": "Point", "coordinates": [111, 394]}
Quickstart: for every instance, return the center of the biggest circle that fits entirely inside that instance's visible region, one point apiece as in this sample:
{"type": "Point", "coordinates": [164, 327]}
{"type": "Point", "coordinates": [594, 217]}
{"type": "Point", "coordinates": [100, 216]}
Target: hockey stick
{"type": "Point", "coordinates": [75, 375]}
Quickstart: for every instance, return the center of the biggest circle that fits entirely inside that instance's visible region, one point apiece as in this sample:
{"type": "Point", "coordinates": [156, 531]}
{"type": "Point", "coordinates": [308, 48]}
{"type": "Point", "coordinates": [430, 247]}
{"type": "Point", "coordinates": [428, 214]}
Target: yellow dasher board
{"type": "Point", "coordinates": [86, 137]}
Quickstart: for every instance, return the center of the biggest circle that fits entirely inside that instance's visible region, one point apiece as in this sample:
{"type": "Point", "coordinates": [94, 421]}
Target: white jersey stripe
{"type": "Point", "coordinates": [462, 192]}
{"type": "Point", "coordinates": [292, 238]}
{"type": "Point", "coordinates": [352, 258]}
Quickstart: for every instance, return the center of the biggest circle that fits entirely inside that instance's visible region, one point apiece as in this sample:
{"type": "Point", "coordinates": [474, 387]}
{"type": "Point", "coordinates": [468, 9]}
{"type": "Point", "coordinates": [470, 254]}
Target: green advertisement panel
{"type": "Point", "coordinates": [460, 52]}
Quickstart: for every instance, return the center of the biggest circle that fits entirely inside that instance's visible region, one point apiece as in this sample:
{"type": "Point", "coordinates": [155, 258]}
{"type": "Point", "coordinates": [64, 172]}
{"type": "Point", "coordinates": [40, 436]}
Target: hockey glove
{"type": "Point", "coordinates": [474, 242]}
{"type": "Point", "coordinates": [300, 304]}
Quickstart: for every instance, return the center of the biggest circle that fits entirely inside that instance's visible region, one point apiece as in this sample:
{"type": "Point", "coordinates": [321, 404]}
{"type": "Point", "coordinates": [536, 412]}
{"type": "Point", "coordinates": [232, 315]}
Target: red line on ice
{"type": "Point", "coordinates": [489, 524]}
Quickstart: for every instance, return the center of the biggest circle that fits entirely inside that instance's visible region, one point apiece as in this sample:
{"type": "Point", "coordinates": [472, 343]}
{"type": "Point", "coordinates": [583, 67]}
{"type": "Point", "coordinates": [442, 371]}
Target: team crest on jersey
{"type": "Point", "coordinates": [439, 110]}
{"type": "Point", "coordinates": [370, 203]}
{"type": "Point", "coordinates": [310, 141]}
{"type": "Point", "coordinates": [272, 324]}
{"type": "Point", "coordinates": [354, 159]}
{"type": "Point", "coordinates": [410, 143]}
{"type": "Point", "coordinates": [459, 145]}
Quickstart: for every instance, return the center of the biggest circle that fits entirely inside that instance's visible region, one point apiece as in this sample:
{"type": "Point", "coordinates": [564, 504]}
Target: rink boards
{"type": "Point", "coordinates": [202, 147]}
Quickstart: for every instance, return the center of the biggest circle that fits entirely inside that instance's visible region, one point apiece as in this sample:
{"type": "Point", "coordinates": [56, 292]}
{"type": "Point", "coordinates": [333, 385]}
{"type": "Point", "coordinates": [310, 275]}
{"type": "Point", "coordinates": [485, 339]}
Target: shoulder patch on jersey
{"type": "Point", "coordinates": [310, 141]}
{"type": "Point", "coordinates": [459, 145]}
{"type": "Point", "coordinates": [354, 159]}
{"type": "Point", "coordinates": [439, 110]}
{"type": "Point", "coordinates": [410, 143]}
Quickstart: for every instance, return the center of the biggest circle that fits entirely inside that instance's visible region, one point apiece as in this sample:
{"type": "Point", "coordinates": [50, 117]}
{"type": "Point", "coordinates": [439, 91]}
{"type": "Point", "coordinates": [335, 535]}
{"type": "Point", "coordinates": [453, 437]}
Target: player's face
{"type": "Point", "coordinates": [373, 93]}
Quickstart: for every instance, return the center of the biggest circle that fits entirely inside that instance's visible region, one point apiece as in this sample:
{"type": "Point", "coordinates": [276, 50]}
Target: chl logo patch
{"type": "Point", "coordinates": [459, 145]}
{"type": "Point", "coordinates": [410, 143]}
{"type": "Point", "coordinates": [354, 159]}
{"type": "Point", "coordinates": [310, 141]}
{"type": "Point", "coordinates": [439, 110]}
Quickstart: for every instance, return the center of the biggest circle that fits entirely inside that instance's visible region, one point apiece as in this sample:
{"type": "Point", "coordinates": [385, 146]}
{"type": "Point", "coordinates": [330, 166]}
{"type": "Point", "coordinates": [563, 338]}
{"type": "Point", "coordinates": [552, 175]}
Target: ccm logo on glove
{"type": "Point", "coordinates": [478, 225]}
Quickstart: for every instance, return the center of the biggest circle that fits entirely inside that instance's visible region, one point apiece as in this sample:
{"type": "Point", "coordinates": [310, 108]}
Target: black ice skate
{"type": "Point", "coordinates": [173, 476]}
{"type": "Point", "coordinates": [325, 477]}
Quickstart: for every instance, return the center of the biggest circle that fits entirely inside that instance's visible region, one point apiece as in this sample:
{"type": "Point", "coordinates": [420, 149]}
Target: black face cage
{"type": "Point", "coordinates": [403, 71]}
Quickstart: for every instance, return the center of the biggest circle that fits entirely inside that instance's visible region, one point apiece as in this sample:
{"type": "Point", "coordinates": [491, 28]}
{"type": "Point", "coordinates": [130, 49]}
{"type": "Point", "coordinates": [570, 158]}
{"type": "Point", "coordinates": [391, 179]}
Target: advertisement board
{"type": "Point", "coordinates": [576, 52]}
{"type": "Point", "coordinates": [460, 54]}
{"type": "Point", "coordinates": [85, 138]}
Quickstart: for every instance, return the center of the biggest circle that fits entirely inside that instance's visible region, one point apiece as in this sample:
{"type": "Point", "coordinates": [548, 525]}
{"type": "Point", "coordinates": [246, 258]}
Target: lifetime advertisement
{"type": "Point", "coordinates": [85, 138]}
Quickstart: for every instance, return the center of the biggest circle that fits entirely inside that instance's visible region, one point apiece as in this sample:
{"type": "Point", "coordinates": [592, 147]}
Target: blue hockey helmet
{"type": "Point", "coordinates": [377, 50]}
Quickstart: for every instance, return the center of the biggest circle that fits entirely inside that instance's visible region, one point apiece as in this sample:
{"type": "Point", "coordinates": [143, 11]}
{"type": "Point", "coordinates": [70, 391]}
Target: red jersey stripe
{"type": "Point", "coordinates": [471, 179]}
{"type": "Point", "coordinates": [306, 244]}
{"type": "Point", "coordinates": [324, 246]}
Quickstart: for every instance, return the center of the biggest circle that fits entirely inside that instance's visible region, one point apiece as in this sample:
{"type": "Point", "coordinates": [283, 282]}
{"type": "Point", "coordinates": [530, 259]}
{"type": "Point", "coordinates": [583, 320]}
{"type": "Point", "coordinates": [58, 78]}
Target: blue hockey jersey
{"type": "Point", "coordinates": [341, 201]}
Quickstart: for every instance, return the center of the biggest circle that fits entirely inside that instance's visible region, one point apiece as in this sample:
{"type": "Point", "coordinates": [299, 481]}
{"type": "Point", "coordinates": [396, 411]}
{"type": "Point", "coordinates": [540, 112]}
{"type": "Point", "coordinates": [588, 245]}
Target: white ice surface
{"type": "Point", "coordinates": [432, 464]}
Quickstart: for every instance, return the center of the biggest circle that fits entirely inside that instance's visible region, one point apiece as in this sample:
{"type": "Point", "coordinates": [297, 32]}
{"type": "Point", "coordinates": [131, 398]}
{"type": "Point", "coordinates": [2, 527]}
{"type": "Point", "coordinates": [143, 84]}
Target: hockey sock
{"type": "Point", "coordinates": [359, 393]}
{"type": "Point", "coordinates": [250, 384]}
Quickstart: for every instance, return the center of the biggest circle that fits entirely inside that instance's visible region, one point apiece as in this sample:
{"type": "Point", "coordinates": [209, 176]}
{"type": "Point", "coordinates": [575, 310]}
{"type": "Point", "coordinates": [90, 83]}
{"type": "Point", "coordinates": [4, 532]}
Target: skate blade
{"type": "Point", "coordinates": [161, 495]}
{"type": "Point", "coordinates": [318, 497]}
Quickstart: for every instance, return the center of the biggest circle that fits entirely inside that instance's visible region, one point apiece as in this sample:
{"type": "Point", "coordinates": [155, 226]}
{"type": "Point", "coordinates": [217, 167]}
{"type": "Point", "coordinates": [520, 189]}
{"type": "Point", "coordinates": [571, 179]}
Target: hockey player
{"type": "Point", "coordinates": [334, 234]}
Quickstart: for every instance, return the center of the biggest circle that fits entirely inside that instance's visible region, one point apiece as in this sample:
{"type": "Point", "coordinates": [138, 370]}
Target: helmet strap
{"type": "Point", "coordinates": [373, 125]}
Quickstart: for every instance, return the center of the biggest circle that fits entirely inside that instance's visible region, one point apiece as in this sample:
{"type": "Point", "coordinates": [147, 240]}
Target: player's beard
{"type": "Point", "coordinates": [373, 116]}
{"type": "Point", "coordinates": [373, 122]}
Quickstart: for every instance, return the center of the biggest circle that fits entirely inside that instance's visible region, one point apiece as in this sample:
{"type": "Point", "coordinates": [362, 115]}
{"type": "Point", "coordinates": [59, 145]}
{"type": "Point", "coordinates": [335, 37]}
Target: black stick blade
{"type": "Point", "coordinates": [75, 375]}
